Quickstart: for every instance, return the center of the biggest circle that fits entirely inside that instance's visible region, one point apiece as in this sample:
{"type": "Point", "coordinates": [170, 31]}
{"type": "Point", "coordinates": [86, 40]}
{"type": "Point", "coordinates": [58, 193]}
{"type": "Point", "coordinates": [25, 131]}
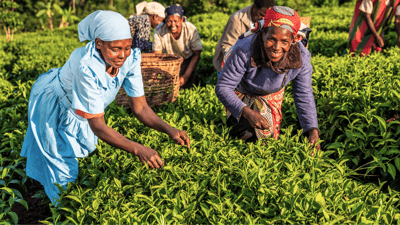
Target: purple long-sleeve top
{"type": "Point", "coordinates": [239, 74]}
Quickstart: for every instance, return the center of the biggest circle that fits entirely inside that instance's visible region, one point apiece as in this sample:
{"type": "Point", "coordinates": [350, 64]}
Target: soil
{"type": "Point", "coordinates": [37, 211]}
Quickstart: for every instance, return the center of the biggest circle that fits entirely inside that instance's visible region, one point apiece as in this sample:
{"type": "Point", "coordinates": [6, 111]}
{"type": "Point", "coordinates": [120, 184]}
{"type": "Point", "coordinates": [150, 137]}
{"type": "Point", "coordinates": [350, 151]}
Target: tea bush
{"type": "Point", "coordinates": [224, 180]}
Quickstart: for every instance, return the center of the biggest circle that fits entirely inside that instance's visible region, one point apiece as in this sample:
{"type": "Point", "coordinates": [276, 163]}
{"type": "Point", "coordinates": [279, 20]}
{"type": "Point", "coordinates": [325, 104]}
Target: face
{"type": "Point", "coordinates": [174, 24]}
{"type": "Point", "coordinates": [114, 52]}
{"type": "Point", "coordinates": [155, 20]}
{"type": "Point", "coordinates": [277, 42]}
{"type": "Point", "coordinates": [258, 14]}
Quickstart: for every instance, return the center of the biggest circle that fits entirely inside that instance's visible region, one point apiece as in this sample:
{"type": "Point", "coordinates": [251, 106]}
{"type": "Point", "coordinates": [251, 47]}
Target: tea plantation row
{"type": "Point", "coordinates": [223, 180]}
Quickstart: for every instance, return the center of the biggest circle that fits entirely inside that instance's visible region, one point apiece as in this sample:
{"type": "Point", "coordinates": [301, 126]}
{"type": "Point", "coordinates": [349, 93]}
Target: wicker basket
{"type": "Point", "coordinates": [160, 74]}
{"type": "Point", "coordinates": [306, 20]}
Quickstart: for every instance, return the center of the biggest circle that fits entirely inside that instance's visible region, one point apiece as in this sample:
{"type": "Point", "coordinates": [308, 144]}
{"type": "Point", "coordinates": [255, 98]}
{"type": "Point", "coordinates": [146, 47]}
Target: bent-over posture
{"type": "Point", "coordinates": [66, 105]}
{"type": "Point", "coordinates": [253, 79]}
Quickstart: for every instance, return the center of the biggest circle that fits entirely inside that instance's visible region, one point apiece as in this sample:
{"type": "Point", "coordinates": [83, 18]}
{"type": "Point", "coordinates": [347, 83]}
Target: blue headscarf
{"type": "Point", "coordinates": [106, 25]}
{"type": "Point", "coordinates": [174, 10]}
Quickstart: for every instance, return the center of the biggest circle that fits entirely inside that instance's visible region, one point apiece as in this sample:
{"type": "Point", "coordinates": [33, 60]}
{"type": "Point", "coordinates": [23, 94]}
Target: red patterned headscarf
{"type": "Point", "coordinates": [285, 17]}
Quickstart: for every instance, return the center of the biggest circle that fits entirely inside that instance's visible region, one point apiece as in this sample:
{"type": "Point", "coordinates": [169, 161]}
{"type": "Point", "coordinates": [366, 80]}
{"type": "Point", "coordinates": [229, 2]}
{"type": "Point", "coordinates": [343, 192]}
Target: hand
{"type": "Point", "coordinates": [256, 119]}
{"type": "Point", "coordinates": [313, 137]}
{"type": "Point", "coordinates": [149, 156]}
{"type": "Point", "coordinates": [178, 135]}
{"type": "Point", "coordinates": [182, 80]}
{"type": "Point", "coordinates": [380, 41]}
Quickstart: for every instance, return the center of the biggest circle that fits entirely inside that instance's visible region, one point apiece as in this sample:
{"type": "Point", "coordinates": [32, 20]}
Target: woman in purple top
{"type": "Point", "coordinates": [252, 81]}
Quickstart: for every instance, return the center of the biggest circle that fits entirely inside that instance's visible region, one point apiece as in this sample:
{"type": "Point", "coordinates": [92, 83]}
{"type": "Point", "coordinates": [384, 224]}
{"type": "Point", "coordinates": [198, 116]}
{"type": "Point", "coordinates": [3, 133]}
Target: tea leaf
{"type": "Point", "coordinates": [392, 170]}
{"type": "Point", "coordinates": [320, 199]}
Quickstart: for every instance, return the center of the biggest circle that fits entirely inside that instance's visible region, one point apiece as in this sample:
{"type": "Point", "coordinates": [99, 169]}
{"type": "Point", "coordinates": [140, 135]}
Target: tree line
{"type": "Point", "coordinates": [33, 15]}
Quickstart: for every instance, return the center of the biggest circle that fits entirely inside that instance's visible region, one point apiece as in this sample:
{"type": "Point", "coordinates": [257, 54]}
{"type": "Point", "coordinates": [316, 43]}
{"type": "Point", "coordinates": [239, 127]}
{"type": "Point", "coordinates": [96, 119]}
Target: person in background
{"type": "Point", "coordinates": [371, 18]}
{"type": "Point", "coordinates": [252, 82]}
{"type": "Point", "coordinates": [240, 22]}
{"type": "Point", "coordinates": [148, 15]}
{"type": "Point", "coordinates": [179, 37]}
{"type": "Point", "coordinates": [66, 105]}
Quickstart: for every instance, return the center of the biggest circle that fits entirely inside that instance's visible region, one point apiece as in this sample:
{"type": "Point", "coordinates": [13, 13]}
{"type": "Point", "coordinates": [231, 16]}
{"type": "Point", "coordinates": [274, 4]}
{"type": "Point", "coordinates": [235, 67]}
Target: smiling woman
{"type": "Point", "coordinates": [277, 42]}
{"type": "Point", "coordinates": [66, 105]}
{"type": "Point", "coordinates": [253, 79]}
{"type": "Point", "coordinates": [179, 37]}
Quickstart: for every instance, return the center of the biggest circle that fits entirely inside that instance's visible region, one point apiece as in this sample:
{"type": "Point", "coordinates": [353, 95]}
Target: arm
{"type": "Point", "coordinates": [192, 65]}
{"type": "Point", "coordinates": [231, 76]}
{"type": "Point", "coordinates": [304, 100]}
{"type": "Point", "coordinates": [147, 116]}
{"type": "Point", "coordinates": [370, 24]}
{"type": "Point", "coordinates": [115, 139]}
{"type": "Point", "coordinates": [367, 7]}
{"type": "Point", "coordinates": [196, 46]}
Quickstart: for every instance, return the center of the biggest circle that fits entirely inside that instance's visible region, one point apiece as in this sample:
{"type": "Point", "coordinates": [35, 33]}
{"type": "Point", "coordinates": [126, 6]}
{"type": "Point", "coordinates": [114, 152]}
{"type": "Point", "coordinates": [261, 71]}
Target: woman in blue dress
{"type": "Point", "coordinates": [66, 105]}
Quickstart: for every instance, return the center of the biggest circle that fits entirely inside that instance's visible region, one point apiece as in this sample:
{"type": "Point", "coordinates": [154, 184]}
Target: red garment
{"type": "Point", "coordinates": [88, 115]}
{"type": "Point", "coordinates": [361, 40]}
{"type": "Point", "coordinates": [277, 16]}
{"type": "Point", "coordinates": [269, 106]}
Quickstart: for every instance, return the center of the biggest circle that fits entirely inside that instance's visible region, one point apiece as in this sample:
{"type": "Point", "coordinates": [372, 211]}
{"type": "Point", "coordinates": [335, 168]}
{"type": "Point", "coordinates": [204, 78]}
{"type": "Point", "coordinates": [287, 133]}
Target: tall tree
{"type": "Point", "coordinates": [67, 16]}
{"type": "Point", "coordinates": [47, 8]}
{"type": "Point", "coordinates": [9, 18]}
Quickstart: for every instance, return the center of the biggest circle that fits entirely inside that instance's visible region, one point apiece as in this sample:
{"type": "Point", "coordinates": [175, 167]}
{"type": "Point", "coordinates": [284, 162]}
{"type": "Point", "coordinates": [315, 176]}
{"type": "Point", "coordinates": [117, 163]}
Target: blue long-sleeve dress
{"type": "Point", "coordinates": [59, 103]}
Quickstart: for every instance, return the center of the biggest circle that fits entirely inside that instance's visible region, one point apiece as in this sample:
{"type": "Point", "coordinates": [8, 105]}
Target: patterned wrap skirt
{"type": "Point", "coordinates": [269, 106]}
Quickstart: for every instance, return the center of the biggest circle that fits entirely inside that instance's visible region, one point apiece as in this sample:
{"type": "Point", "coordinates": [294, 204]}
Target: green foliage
{"type": "Point", "coordinates": [356, 110]}
{"type": "Point", "coordinates": [28, 9]}
{"type": "Point", "coordinates": [210, 27]}
{"type": "Point", "coordinates": [224, 180]}
{"type": "Point", "coordinates": [219, 180]}
{"type": "Point", "coordinates": [68, 16]}
{"type": "Point", "coordinates": [209, 6]}
{"type": "Point", "coordinates": [10, 18]}
{"type": "Point", "coordinates": [304, 4]}
{"type": "Point", "coordinates": [47, 10]}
